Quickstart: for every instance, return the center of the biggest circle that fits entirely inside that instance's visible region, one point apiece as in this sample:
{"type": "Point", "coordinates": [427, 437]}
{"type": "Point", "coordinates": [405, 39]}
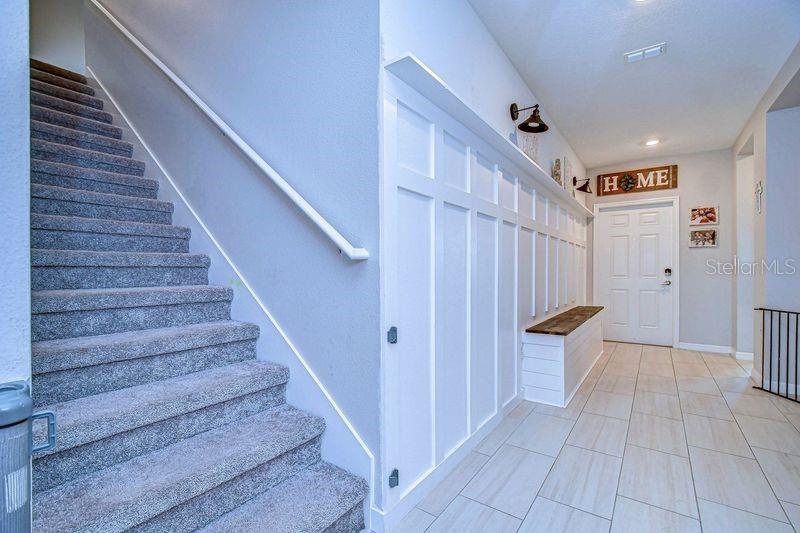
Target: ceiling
{"type": "Point", "coordinates": [721, 56]}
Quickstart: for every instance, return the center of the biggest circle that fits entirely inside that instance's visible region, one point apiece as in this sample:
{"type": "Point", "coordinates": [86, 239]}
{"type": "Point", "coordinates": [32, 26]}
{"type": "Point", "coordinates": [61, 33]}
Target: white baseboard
{"type": "Point", "coordinates": [710, 348]}
{"type": "Point", "coordinates": [744, 356]}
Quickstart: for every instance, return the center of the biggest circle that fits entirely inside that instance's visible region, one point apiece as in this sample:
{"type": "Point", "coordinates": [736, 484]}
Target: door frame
{"type": "Point", "coordinates": [674, 201]}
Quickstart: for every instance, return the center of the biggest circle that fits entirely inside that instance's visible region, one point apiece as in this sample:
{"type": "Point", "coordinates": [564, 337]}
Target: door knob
{"type": "Point", "coordinates": [668, 282]}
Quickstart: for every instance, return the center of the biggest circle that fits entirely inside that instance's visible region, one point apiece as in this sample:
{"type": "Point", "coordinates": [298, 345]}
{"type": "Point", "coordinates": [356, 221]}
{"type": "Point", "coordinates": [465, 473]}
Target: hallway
{"type": "Point", "coordinates": [656, 439]}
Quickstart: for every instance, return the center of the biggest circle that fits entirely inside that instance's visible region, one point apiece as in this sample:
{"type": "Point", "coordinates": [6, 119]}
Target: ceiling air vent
{"type": "Point", "coordinates": [645, 53]}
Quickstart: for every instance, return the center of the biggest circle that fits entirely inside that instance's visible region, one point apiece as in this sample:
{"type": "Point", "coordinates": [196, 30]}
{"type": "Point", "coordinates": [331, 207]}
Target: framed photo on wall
{"type": "Point", "coordinates": [703, 238]}
{"type": "Point", "coordinates": [557, 172]}
{"type": "Point", "coordinates": [704, 216]}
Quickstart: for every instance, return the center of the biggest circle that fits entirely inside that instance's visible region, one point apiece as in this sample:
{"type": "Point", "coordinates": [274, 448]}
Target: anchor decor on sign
{"type": "Point", "coordinates": [639, 180]}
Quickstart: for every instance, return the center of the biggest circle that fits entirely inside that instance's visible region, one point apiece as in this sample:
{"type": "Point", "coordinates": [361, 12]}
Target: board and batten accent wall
{"type": "Point", "coordinates": [475, 251]}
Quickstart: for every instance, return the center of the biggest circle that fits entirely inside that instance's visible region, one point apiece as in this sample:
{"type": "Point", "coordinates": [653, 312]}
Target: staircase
{"type": "Point", "coordinates": [166, 422]}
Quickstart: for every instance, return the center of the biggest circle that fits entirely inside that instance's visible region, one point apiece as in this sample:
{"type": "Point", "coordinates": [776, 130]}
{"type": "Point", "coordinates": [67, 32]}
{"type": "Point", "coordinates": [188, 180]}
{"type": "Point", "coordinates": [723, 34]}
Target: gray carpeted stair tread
{"type": "Point", "coordinates": [62, 301]}
{"type": "Point", "coordinates": [72, 177]}
{"type": "Point", "coordinates": [132, 492]}
{"type": "Point", "coordinates": [68, 120]}
{"type": "Point", "coordinates": [76, 352]}
{"type": "Point", "coordinates": [96, 417]}
{"type": "Point", "coordinates": [51, 192]}
{"type": "Point", "coordinates": [66, 94]}
{"type": "Point", "coordinates": [58, 71]}
{"type": "Point", "coordinates": [311, 500]}
{"type": "Point", "coordinates": [59, 81]}
{"type": "Point", "coordinates": [71, 108]}
{"type": "Point", "coordinates": [79, 139]}
{"type": "Point", "coordinates": [81, 157]}
{"type": "Point", "coordinates": [119, 227]}
{"type": "Point", "coordinates": [55, 258]}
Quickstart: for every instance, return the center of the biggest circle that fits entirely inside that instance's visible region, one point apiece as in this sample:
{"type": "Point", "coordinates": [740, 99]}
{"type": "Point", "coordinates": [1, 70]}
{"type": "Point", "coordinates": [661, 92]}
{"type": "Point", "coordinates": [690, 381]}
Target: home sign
{"type": "Point", "coordinates": [639, 180]}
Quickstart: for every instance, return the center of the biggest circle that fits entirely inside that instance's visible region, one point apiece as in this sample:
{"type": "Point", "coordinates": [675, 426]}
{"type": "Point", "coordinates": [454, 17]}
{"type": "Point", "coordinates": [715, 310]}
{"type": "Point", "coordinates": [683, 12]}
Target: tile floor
{"type": "Point", "coordinates": [655, 440]}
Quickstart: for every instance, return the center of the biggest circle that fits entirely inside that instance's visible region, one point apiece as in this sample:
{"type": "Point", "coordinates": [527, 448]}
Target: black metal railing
{"type": "Point", "coordinates": [779, 352]}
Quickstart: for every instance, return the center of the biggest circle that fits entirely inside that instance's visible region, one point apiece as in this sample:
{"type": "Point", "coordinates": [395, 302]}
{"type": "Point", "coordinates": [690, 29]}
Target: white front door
{"type": "Point", "coordinates": [635, 271]}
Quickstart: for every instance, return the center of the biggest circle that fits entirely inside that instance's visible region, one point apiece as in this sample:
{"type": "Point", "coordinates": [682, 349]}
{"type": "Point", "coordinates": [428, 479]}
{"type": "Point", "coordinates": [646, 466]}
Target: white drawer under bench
{"type": "Point", "coordinates": [558, 353]}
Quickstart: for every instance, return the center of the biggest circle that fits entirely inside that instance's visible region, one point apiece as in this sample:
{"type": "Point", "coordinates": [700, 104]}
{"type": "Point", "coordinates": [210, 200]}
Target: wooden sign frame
{"type": "Point", "coordinates": [642, 179]}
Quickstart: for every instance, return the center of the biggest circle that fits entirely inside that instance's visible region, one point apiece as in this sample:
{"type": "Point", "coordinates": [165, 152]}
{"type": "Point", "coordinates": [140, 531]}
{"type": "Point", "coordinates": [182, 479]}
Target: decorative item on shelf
{"type": "Point", "coordinates": [703, 238]}
{"type": "Point", "coordinates": [639, 180]}
{"type": "Point", "coordinates": [529, 144]}
{"type": "Point", "coordinates": [704, 216]}
{"type": "Point", "coordinates": [583, 188]}
{"type": "Point", "coordinates": [566, 170]}
{"type": "Point", "coordinates": [534, 123]}
{"type": "Point", "coordinates": [556, 173]}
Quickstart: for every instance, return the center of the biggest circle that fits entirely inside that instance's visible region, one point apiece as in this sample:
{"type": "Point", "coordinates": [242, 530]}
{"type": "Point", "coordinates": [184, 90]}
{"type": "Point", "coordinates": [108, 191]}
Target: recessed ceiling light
{"type": "Point", "coordinates": [652, 142]}
{"type": "Point", "coordinates": [645, 53]}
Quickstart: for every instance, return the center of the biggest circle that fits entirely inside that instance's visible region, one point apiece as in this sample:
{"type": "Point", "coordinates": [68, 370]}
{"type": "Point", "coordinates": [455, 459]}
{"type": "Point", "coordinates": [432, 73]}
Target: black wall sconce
{"type": "Point", "coordinates": [583, 188]}
{"type": "Point", "coordinates": [534, 124]}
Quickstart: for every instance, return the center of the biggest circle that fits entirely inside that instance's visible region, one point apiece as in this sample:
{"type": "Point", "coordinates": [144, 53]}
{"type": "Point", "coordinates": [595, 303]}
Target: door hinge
{"type": "Point", "coordinates": [391, 335]}
{"type": "Point", "coordinates": [394, 478]}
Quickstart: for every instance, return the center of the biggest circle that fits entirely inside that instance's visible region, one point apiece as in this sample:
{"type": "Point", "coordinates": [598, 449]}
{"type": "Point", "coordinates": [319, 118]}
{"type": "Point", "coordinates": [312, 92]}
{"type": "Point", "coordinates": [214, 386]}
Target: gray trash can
{"type": "Point", "coordinates": [16, 447]}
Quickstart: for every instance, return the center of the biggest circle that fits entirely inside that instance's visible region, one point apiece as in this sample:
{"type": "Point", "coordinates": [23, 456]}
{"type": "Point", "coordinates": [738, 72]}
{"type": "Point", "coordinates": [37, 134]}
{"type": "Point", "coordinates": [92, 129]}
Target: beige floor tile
{"type": "Point", "coordinates": [504, 429]}
{"type": "Point", "coordinates": [622, 369]}
{"type": "Point", "coordinates": [783, 473]}
{"type": "Point", "coordinates": [770, 434]}
{"type": "Point", "coordinates": [587, 386]}
{"type": "Point", "coordinates": [698, 385]}
{"type": "Point", "coordinates": [510, 480]}
{"type": "Point", "coordinates": [652, 403]}
{"type": "Point", "coordinates": [657, 433]}
{"type": "Point", "coordinates": [584, 479]}
{"type": "Point", "coordinates": [724, 358]}
{"type": "Point", "coordinates": [726, 370]}
{"type": "Point", "coordinates": [686, 356]}
{"type": "Point", "coordinates": [571, 411]}
{"type": "Point", "coordinates": [416, 521]}
{"type": "Point", "coordinates": [631, 516]}
{"type": "Point", "coordinates": [659, 384]}
{"type": "Point", "coordinates": [656, 369]}
{"type": "Point", "coordinates": [618, 384]}
{"type": "Point", "coordinates": [740, 385]}
{"type": "Point", "coordinates": [715, 434]}
{"type": "Point", "coordinates": [691, 370]}
{"type": "Point", "coordinates": [467, 515]}
{"type": "Point", "coordinates": [608, 346]}
{"type": "Point", "coordinates": [659, 479]}
{"type": "Point", "coordinates": [446, 491]}
{"type": "Point", "coordinates": [599, 433]}
{"type": "Point", "coordinates": [733, 481]}
{"type": "Point", "coordinates": [718, 518]}
{"type": "Point", "coordinates": [547, 516]}
{"type": "Point", "coordinates": [793, 420]}
{"type": "Point", "coordinates": [793, 512]}
{"type": "Point", "coordinates": [656, 358]}
{"type": "Point", "coordinates": [787, 407]}
{"type": "Point", "coordinates": [746, 404]}
{"type": "Point", "coordinates": [705, 405]}
{"type": "Point", "coordinates": [542, 433]}
{"type": "Point", "coordinates": [627, 353]}
{"type": "Point", "coordinates": [609, 404]}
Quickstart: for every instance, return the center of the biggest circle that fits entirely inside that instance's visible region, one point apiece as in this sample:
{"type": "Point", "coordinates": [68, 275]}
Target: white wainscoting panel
{"type": "Point", "coordinates": [475, 250]}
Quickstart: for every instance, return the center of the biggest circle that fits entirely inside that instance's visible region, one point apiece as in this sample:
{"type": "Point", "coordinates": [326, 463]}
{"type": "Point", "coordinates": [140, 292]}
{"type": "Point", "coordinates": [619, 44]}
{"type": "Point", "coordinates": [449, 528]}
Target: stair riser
{"type": "Point", "coordinates": [71, 108]}
{"type": "Point", "coordinates": [209, 506]}
{"type": "Point", "coordinates": [66, 385]}
{"type": "Point", "coordinates": [66, 94]}
{"type": "Point", "coordinates": [352, 520]}
{"type": "Point", "coordinates": [105, 242]}
{"type": "Point", "coordinates": [87, 141]}
{"type": "Point", "coordinates": [66, 120]}
{"type": "Point", "coordinates": [47, 206]}
{"type": "Point", "coordinates": [52, 470]}
{"type": "Point", "coordinates": [48, 326]}
{"type": "Point", "coordinates": [61, 82]}
{"type": "Point", "coordinates": [86, 161]}
{"type": "Point", "coordinates": [70, 182]}
{"type": "Point", "coordinates": [104, 277]}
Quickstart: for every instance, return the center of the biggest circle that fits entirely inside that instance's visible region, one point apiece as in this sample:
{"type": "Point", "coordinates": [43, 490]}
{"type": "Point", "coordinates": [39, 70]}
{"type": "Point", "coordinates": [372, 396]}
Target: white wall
{"type": "Point", "coordinates": [450, 38]}
{"type": "Point", "coordinates": [15, 297]}
{"type": "Point", "coordinates": [301, 88]}
{"type": "Point", "coordinates": [744, 252]}
{"type": "Point", "coordinates": [57, 33]}
{"type": "Point", "coordinates": [705, 178]}
{"type": "Point", "coordinates": [782, 198]}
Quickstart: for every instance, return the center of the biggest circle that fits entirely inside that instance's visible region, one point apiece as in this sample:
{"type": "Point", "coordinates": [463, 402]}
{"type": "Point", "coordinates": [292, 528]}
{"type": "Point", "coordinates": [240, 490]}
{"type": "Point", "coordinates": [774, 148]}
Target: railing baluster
{"type": "Point", "coordinates": [778, 382]}
{"type": "Point", "coordinates": [763, 340]}
{"type": "Point", "coordinates": [771, 321]}
{"type": "Point", "coordinates": [772, 340]}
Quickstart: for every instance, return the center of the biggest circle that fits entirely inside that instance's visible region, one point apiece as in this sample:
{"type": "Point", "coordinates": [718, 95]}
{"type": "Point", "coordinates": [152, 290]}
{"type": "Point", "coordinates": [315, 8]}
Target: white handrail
{"type": "Point", "coordinates": [353, 253]}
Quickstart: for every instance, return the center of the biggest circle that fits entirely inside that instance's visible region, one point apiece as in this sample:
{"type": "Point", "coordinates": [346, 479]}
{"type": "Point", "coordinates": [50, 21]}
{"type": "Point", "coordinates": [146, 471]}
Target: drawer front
{"type": "Point", "coordinates": [542, 366]}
